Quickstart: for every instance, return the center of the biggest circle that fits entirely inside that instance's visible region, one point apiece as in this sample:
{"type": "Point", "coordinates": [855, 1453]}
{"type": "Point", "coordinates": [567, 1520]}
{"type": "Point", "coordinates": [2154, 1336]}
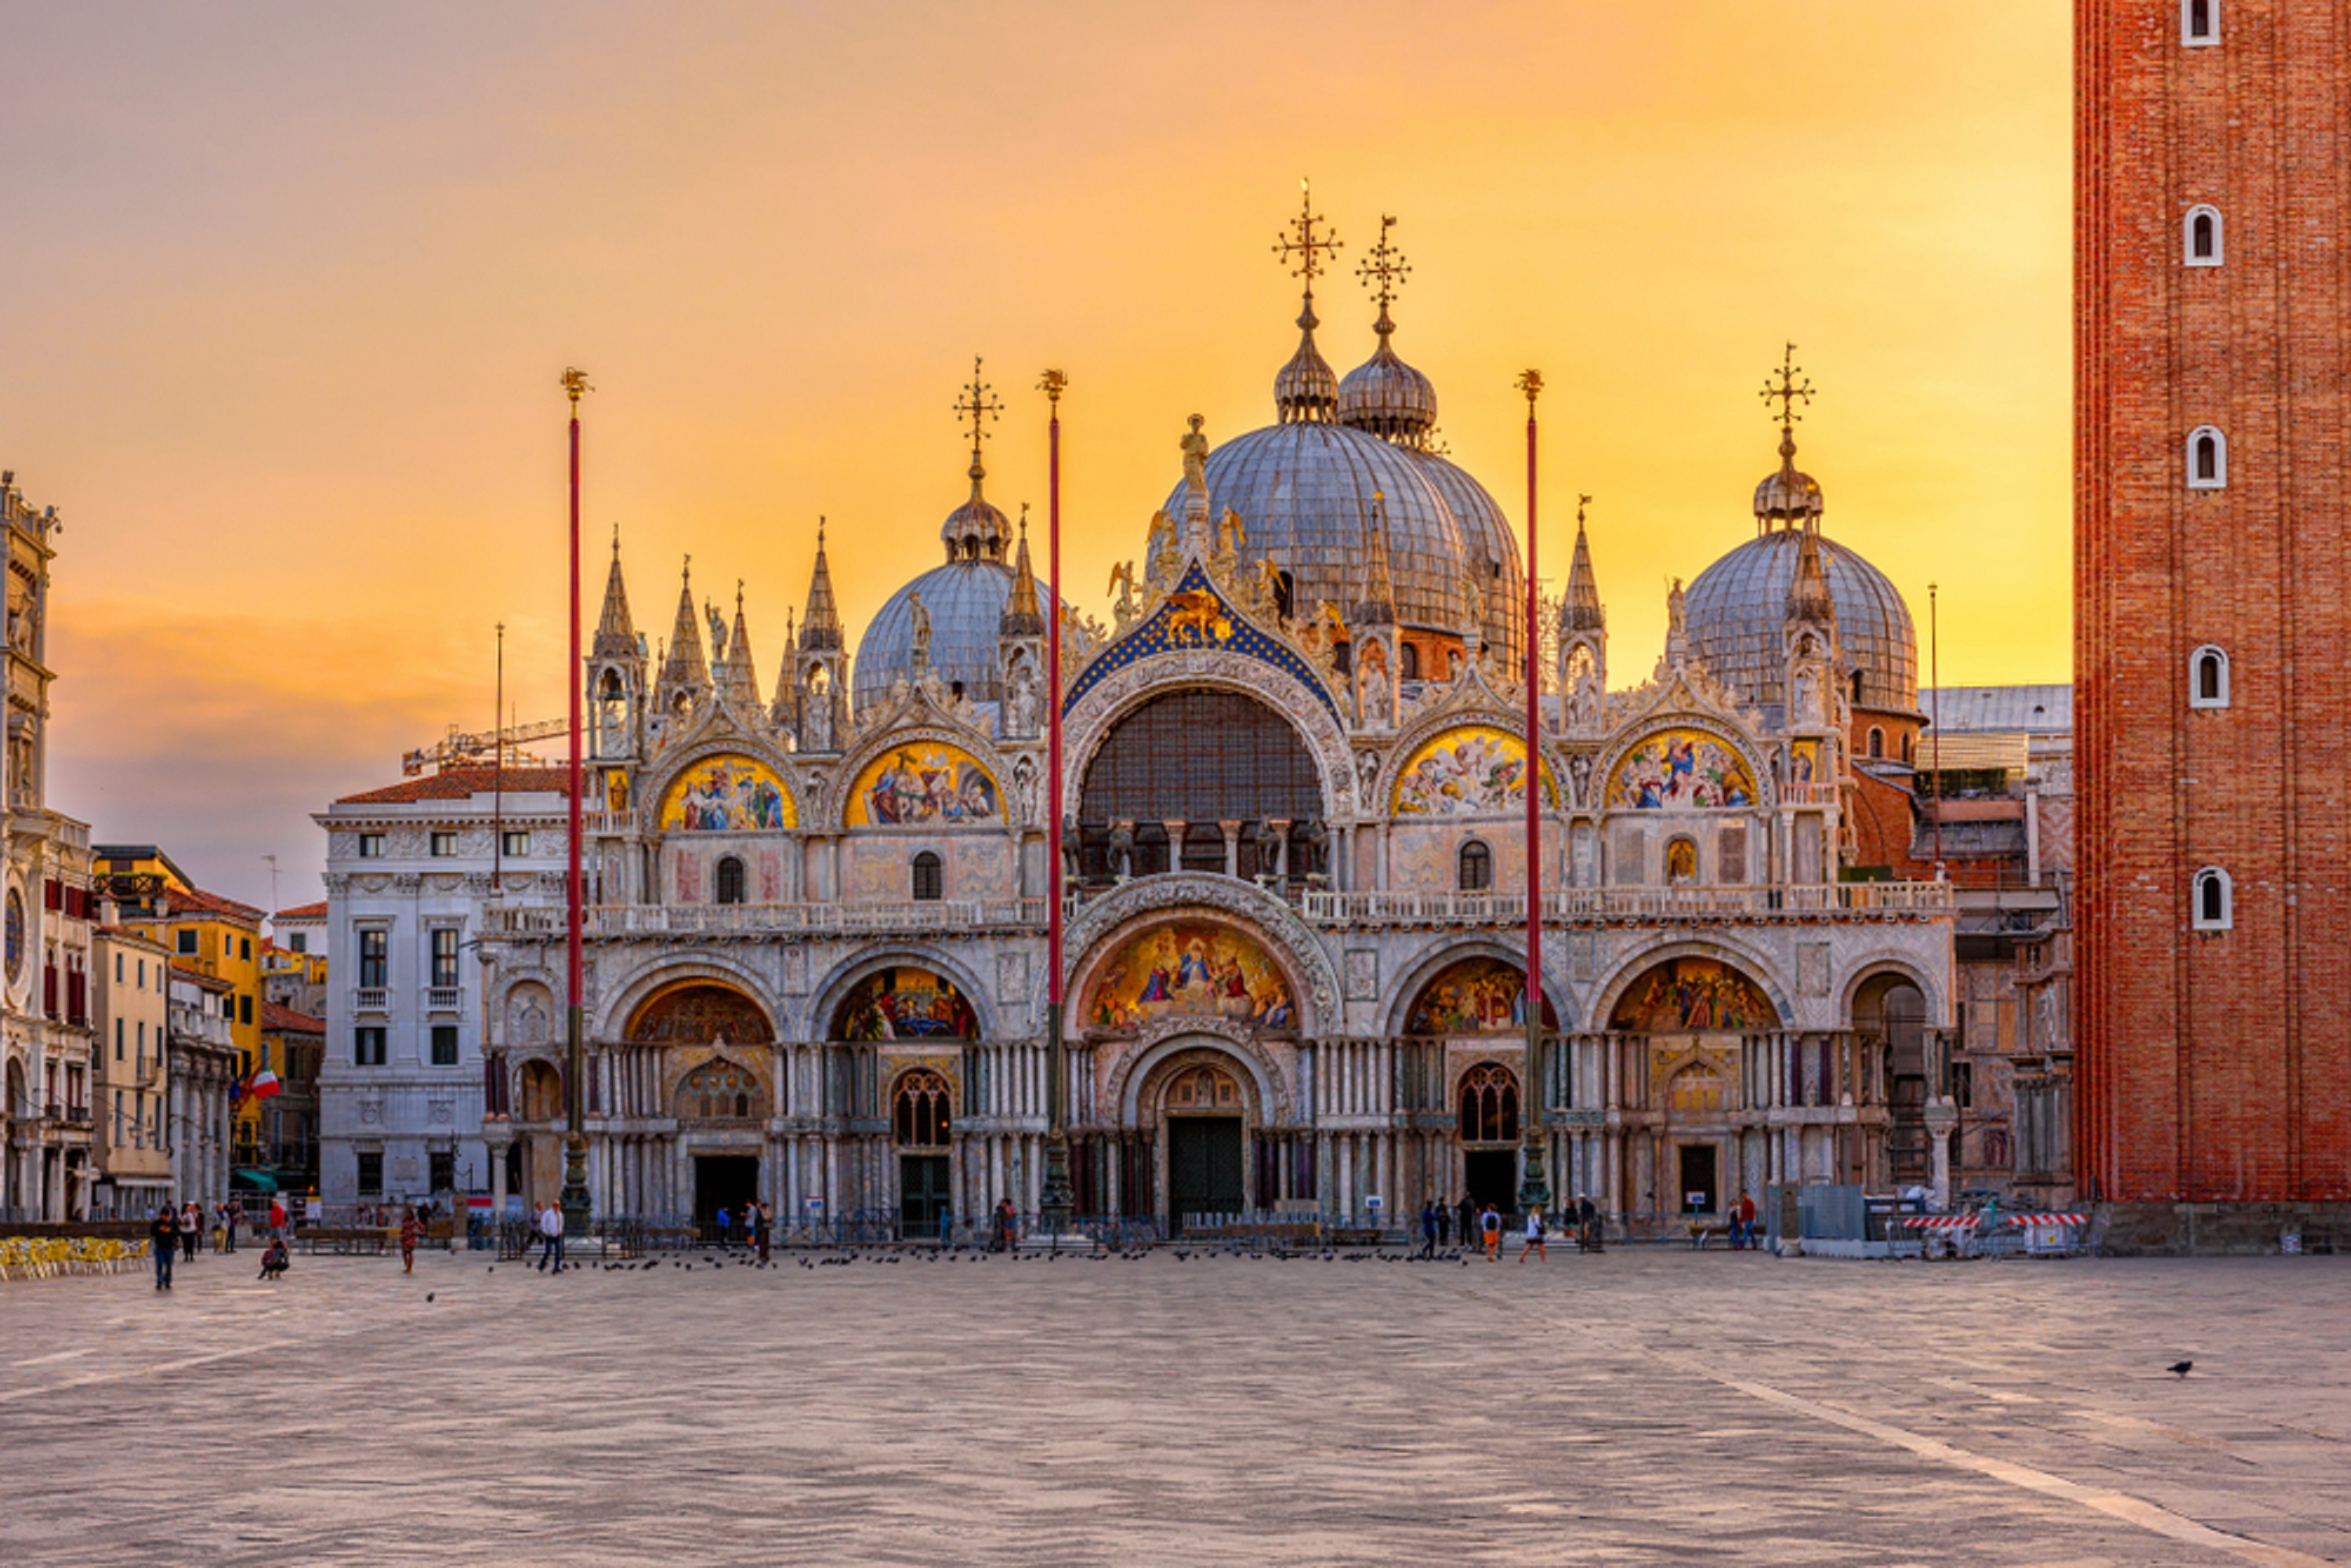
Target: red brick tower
{"type": "Point", "coordinates": [2211, 449]}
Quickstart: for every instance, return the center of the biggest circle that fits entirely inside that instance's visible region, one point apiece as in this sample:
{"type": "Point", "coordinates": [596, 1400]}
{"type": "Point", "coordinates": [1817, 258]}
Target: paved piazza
{"type": "Point", "coordinates": [1639, 1407]}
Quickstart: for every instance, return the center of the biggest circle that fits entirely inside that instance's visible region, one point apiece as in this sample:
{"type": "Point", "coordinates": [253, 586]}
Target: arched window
{"type": "Point", "coordinates": [1409, 660]}
{"type": "Point", "coordinates": [730, 879]}
{"type": "Point", "coordinates": [1200, 758]}
{"type": "Point", "coordinates": [2215, 900]}
{"type": "Point", "coordinates": [1909, 748]}
{"type": "Point", "coordinates": [1876, 741]}
{"type": "Point", "coordinates": [921, 1118]}
{"type": "Point", "coordinates": [930, 882]}
{"type": "Point", "coordinates": [2200, 237]}
{"type": "Point", "coordinates": [1490, 1105]}
{"type": "Point", "coordinates": [2208, 678]}
{"type": "Point", "coordinates": [2200, 23]}
{"type": "Point", "coordinates": [1477, 867]}
{"type": "Point", "coordinates": [2207, 458]}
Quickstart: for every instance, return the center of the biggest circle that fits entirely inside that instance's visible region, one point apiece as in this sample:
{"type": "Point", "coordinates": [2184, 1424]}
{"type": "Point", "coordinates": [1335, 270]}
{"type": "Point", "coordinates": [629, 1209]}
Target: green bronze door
{"type": "Point", "coordinates": [1204, 1168]}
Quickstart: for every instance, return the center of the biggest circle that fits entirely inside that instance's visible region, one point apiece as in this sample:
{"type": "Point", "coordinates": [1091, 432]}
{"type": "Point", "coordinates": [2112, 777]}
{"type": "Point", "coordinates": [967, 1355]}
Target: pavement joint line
{"type": "Point", "coordinates": [2120, 1505]}
{"type": "Point", "coordinates": [2138, 1511]}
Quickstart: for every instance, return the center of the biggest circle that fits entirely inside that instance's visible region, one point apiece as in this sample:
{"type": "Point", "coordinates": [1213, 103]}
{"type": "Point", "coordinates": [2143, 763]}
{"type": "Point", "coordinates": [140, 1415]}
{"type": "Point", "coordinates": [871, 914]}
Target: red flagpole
{"type": "Point", "coordinates": [575, 1149]}
{"type": "Point", "coordinates": [1056, 1196]}
{"type": "Point", "coordinates": [1533, 1193]}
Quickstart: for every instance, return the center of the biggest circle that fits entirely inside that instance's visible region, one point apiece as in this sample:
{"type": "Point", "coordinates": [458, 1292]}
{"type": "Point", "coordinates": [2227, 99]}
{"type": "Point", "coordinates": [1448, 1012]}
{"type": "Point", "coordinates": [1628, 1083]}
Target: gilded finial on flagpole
{"type": "Point", "coordinates": [1052, 384]}
{"type": "Point", "coordinates": [575, 381]}
{"type": "Point", "coordinates": [1530, 384]}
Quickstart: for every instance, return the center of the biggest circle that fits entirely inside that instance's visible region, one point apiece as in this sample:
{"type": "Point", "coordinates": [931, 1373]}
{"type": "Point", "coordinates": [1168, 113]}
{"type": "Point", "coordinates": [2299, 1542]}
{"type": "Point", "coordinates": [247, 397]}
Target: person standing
{"type": "Point", "coordinates": [1005, 1224]}
{"type": "Point", "coordinates": [277, 1217]}
{"type": "Point", "coordinates": [1428, 1228]}
{"type": "Point", "coordinates": [1465, 1211]}
{"type": "Point", "coordinates": [164, 1241]}
{"type": "Point", "coordinates": [726, 1226]}
{"type": "Point", "coordinates": [1489, 1226]}
{"type": "Point", "coordinates": [1444, 1224]}
{"type": "Point", "coordinates": [408, 1230]}
{"type": "Point", "coordinates": [232, 1216]}
{"type": "Point", "coordinates": [1534, 1237]}
{"type": "Point", "coordinates": [1747, 1220]}
{"type": "Point", "coordinates": [550, 1238]}
{"type": "Point", "coordinates": [1587, 1219]}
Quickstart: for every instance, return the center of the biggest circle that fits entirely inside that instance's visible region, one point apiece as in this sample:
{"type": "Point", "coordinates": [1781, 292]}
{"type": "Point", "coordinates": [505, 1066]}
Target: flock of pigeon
{"type": "Point", "coordinates": [891, 1257]}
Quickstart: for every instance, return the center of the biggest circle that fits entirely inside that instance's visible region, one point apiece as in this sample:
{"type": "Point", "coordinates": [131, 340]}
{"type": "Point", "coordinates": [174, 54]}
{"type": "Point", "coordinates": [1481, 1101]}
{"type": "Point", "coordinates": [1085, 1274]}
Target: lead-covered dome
{"type": "Point", "coordinates": [1388, 398]}
{"type": "Point", "coordinates": [965, 600]}
{"type": "Point", "coordinates": [1736, 616]}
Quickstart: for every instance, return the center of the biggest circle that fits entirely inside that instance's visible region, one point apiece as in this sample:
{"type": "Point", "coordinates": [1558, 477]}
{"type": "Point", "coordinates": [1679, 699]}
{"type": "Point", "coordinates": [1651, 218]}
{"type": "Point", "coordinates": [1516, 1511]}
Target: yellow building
{"type": "Point", "coordinates": [209, 936]}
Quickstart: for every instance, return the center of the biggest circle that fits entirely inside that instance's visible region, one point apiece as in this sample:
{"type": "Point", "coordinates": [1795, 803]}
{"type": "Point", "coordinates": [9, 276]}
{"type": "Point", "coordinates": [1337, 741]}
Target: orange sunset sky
{"type": "Point", "coordinates": [289, 288]}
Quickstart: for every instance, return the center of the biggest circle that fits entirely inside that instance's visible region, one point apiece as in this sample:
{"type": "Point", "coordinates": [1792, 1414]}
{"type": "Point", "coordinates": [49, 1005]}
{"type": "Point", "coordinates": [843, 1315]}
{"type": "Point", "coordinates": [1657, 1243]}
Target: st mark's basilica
{"type": "Point", "coordinates": [1294, 765]}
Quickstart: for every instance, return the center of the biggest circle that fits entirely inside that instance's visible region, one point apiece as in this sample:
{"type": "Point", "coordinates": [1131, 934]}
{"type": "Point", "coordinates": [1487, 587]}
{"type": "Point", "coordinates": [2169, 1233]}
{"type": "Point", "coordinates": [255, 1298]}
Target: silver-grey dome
{"type": "Point", "coordinates": [1493, 552]}
{"type": "Point", "coordinates": [1737, 611]}
{"type": "Point", "coordinates": [966, 601]}
{"type": "Point", "coordinates": [1307, 492]}
{"type": "Point", "coordinates": [1388, 398]}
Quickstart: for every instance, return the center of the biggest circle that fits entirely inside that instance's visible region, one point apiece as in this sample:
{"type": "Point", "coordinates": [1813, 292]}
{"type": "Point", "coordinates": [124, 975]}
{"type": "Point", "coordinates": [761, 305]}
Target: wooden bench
{"type": "Point", "coordinates": [344, 1241]}
{"type": "Point", "coordinates": [1699, 1235]}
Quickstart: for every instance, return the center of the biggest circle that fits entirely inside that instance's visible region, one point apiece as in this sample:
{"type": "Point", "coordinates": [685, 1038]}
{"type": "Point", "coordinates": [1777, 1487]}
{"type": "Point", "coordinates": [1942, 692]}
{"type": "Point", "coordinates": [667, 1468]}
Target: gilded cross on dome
{"type": "Point", "coordinates": [1788, 391]}
{"type": "Point", "coordinates": [1385, 270]}
{"type": "Point", "coordinates": [1307, 243]}
{"type": "Point", "coordinates": [978, 404]}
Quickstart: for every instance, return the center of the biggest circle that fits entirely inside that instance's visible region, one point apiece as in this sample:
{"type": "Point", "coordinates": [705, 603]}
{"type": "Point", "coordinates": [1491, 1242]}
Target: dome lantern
{"type": "Point", "coordinates": [1791, 497]}
{"type": "Point", "coordinates": [1306, 390]}
{"type": "Point", "coordinates": [976, 530]}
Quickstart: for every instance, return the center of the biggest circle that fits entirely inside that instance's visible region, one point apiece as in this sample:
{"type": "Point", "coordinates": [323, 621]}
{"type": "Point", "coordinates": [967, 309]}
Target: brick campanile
{"type": "Point", "coordinates": [2212, 326]}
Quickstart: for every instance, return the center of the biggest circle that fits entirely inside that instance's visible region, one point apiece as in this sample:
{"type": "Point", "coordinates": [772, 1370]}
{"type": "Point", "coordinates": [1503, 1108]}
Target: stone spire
{"type": "Point", "coordinates": [1580, 610]}
{"type": "Point", "coordinates": [821, 627]}
{"type": "Point", "coordinates": [1022, 617]}
{"type": "Point", "coordinates": [739, 680]}
{"type": "Point", "coordinates": [1378, 606]}
{"type": "Point", "coordinates": [683, 665]}
{"type": "Point", "coordinates": [616, 633]}
{"type": "Point", "coordinates": [1808, 590]}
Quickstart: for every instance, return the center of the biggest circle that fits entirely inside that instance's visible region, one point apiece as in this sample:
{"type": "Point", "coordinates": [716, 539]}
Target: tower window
{"type": "Point", "coordinates": [1477, 867]}
{"type": "Point", "coordinates": [930, 882]}
{"type": "Point", "coordinates": [2215, 901]}
{"type": "Point", "coordinates": [730, 881]}
{"type": "Point", "coordinates": [2200, 23]}
{"type": "Point", "coordinates": [2207, 458]}
{"type": "Point", "coordinates": [2208, 678]}
{"type": "Point", "coordinates": [1876, 741]}
{"type": "Point", "coordinates": [1409, 660]}
{"type": "Point", "coordinates": [2200, 237]}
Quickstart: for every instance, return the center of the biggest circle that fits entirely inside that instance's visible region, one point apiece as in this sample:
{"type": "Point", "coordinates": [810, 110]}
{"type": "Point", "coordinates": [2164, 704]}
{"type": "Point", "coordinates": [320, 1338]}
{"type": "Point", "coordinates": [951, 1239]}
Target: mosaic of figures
{"type": "Point", "coordinates": [1461, 772]}
{"type": "Point", "coordinates": [727, 795]}
{"type": "Point", "coordinates": [1680, 769]}
{"type": "Point", "coordinates": [906, 1002]}
{"type": "Point", "coordinates": [699, 1013]}
{"type": "Point", "coordinates": [1803, 761]}
{"type": "Point", "coordinates": [1694, 994]}
{"type": "Point", "coordinates": [1189, 970]}
{"type": "Point", "coordinates": [1476, 995]}
{"type": "Point", "coordinates": [923, 783]}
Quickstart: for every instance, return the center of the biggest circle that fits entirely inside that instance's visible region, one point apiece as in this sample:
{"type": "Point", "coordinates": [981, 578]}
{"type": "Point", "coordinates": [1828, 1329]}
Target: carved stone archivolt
{"type": "Point", "coordinates": [1208, 670]}
{"type": "Point", "coordinates": [1217, 1042]}
{"type": "Point", "coordinates": [1211, 896]}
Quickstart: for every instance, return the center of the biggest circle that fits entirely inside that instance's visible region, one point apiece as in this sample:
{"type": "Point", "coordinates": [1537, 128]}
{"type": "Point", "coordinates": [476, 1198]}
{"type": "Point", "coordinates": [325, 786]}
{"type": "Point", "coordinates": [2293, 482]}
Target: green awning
{"type": "Point", "coordinates": [259, 1181]}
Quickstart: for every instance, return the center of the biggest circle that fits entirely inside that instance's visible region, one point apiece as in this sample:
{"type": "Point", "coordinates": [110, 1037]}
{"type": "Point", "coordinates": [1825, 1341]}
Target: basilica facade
{"type": "Point", "coordinates": [1294, 761]}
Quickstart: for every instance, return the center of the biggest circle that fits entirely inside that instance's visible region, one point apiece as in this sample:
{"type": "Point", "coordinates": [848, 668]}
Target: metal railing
{"type": "Point", "coordinates": [1802, 901]}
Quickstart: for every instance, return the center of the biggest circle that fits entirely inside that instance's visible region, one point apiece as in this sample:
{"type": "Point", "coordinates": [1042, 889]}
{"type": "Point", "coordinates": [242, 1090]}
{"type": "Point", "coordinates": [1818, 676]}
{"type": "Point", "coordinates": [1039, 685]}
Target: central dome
{"type": "Point", "coordinates": [1308, 493]}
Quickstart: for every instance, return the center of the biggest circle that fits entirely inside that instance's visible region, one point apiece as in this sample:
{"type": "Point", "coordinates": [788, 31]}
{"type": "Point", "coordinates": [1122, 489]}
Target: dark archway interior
{"type": "Point", "coordinates": [1201, 758]}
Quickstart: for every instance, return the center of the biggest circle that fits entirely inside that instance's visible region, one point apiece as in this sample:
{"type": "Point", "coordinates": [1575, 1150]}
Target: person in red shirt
{"type": "Point", "coordinates": [1743, 1232]}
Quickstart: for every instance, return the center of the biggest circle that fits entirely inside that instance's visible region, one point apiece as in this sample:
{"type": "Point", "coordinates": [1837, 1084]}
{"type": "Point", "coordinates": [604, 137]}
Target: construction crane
{"type": "Point", "coordinates": [457, 747]}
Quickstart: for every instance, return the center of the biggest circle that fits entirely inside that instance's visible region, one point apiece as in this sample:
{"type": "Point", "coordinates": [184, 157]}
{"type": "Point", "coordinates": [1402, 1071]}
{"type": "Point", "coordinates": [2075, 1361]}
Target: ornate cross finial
{"type": "Point", "coordinates": [1054, 383]}
{"type": "Point", "coordinates": [1311, 265]}
{"type": "Point", "coordinates": [1788, 391]}
{"type": "Point", "coordinates": [1385, 270]}
{"type": "Point", "coordinates": [978, 404]}
{"type": "Point", "coordinates": [575, 381]}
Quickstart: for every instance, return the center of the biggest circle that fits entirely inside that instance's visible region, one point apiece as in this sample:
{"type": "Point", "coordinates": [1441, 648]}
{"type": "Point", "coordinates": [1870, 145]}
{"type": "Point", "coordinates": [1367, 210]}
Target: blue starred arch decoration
{"type": "Point", "coordinates": [1197, 619]}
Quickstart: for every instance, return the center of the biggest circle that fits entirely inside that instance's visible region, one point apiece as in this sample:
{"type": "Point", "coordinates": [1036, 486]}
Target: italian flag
{"type": "Point", "coordinates": [264, 1084]}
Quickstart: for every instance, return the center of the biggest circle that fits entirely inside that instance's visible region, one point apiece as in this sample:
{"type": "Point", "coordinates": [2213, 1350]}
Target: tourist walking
{"type": "Point", "coordinates": [1742, 1223]}
{"type": "Point", "coordinates": [1444, 1224]}
{"type": "Point", "coordinates": [228, 1224]}
{"type": "Point", "coordinates": [1489, 1226]}
{"type": "Point", "coordinates": [726, 1226]}
{"type": "Point", "coordinates": [1005, 1223]}
{"type": "Point", "coordinates": [1534, 1237]}
{"type": "Point", "coordinates": [277, 1217]}
{"type": "Point", "coordinates": [191, 1230]}
{"type": "Point", "coordinates": [761, 1220]}
{"type": "Point", "coordinates": [164, 1241]}
{"type": "Point", "coordinates": [1429, 1229]}
{"type": "Point", "coordinates": [408, 1230]}
{"type": "Point", "coordinates": [1587, 1224]}
{"type": "Point", "coordinates": [550, 1238]}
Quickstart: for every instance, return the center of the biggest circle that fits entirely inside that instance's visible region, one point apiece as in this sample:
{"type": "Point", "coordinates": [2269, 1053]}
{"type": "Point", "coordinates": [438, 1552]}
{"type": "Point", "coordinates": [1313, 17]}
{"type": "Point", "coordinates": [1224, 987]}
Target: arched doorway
{"type": "Point", "coordinates": [1202, 1107]}
{"type": "Point", "coordinates": [1196, 760]}
{"type": "Point", "coordinates": [539, 1100]}
{"type": "Point", "coordinates": [1889, 1014]}
{"type": "Point", "coordinates": [1487, 1126]}
{"type": "Point", "coordinates": [922, 1123]}
{"type": "Point", "coordinates": [1692, 1016]}
{"type": "Point", "coordinates": [722, 1102]}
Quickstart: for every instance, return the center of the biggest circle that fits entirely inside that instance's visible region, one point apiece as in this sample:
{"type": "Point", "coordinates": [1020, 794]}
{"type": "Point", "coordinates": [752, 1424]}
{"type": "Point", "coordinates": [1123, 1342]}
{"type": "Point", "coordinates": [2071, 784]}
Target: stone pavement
{"type": "Point", "coordinates": [1644, 1408]}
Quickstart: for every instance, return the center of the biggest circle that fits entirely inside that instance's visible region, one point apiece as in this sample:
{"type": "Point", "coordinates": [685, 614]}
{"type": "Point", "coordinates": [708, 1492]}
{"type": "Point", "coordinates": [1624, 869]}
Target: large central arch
{"type": "Point", "coordinates": [1202, 756]}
